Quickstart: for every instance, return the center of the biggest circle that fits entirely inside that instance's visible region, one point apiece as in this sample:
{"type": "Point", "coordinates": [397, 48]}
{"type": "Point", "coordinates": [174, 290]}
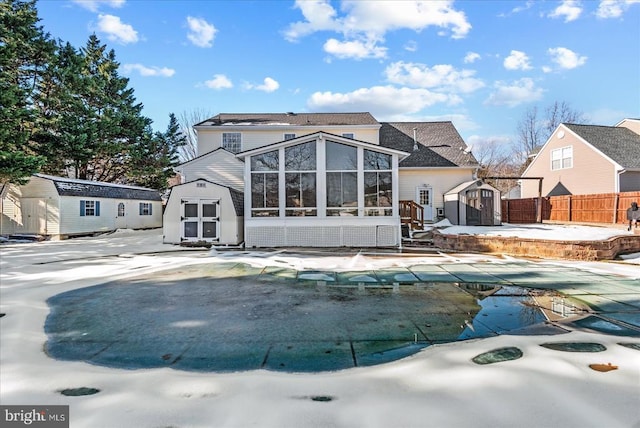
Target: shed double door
{"type": "Point", "coordinates": [200, 220]}
{"type": "Point", "coordinates": [480, 207]}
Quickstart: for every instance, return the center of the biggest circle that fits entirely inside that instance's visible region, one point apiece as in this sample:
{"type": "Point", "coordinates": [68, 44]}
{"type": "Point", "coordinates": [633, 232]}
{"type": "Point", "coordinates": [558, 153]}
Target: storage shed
{"type": "Point", "coordinates": [201, 211]}
{"type": "Point", "coordinates": [474, 203]}
{"type": "Point", "coordinates": [60, 207]}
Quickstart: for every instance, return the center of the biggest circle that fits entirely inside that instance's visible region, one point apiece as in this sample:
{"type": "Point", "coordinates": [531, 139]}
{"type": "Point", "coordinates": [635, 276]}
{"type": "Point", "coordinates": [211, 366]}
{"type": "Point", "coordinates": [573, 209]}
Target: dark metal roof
{"type": "Point", "coordinates": [559, 190]}
{"type": "Point", "coordinates": [289, 119]}
{"type": "Point", "coordinates": [96, 189]}
{"type": "Point", "coordinates": [439, 144]}
{"type": "Point", "coordinates": [620, 144]}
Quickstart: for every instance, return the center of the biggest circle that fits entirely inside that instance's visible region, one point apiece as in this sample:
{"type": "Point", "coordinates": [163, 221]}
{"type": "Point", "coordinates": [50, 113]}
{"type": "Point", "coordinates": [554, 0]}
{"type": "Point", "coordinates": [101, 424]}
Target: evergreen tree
{"type": "Point", "coordinates": [153, 160]}
{"type": "Point", "coordinates": [25, 52]}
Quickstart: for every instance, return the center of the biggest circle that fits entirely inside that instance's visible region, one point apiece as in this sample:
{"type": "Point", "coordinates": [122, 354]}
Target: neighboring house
{"type": "Point", "coordinates": [329, 179]}
{"type": "Point", "coordinates": [586, 159]}
{"type": "Point", "coordinates": [208, 212]}
{"type": "Point", "coordinates": [62, 207]}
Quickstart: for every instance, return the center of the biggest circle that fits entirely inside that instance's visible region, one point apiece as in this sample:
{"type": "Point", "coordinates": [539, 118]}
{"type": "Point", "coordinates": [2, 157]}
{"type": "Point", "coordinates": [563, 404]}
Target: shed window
{"type": "Point", "coordinates": [145, 208]}
{"type": "Point", "coordinates": [89, 208]}
{"type": "Point", "coordinates": [121, 209]}
{"type": "Point", "coordinates": [232, 141]}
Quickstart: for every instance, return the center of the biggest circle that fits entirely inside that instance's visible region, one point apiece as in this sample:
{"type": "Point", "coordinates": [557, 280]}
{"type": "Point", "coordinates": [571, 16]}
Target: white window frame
{"type": "Point", "coordinates": [562, 158]}
{"type": "Point", "coordinates": [232, 142]}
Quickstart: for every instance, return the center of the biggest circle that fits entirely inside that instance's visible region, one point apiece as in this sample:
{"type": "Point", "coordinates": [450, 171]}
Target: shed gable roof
{"type": "Point", "coordinates": [619, 144]}
{"type": "Point", "coordinates": [97, 189]}
{"type": "Point", "coordinates": [237, 197]}
{"type": "Point", "coordinates": [290, 119]}
{"type": "Point", "coordinates": [439, 144]}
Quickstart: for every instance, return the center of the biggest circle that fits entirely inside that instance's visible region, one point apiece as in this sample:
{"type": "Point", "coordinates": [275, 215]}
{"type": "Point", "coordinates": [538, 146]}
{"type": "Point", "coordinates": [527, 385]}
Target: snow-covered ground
{"type": "Point", "coordinates": [437, 387]}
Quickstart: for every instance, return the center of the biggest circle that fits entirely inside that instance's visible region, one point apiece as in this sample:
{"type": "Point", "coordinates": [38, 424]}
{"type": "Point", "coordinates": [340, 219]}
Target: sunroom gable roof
{"type": "Point", "coordinates": [327, 136]}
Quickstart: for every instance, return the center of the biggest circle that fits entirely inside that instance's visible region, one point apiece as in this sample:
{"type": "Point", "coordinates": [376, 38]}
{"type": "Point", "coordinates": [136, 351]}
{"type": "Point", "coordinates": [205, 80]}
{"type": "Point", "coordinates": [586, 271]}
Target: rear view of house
{"type": "Point", "coordinates": [61, 207]}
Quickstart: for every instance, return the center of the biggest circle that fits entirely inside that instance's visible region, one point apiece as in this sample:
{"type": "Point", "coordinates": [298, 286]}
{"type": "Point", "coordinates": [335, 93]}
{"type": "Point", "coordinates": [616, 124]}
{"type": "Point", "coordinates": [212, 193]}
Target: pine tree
{"type": "Point", "coordinates": [25, 52]}
{"type": "Point", "coordinates": [153, 160]}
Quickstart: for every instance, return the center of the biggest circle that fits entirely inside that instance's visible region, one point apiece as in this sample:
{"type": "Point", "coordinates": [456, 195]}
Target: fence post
{"type": "Point", "coordinates": [616, 202]}
{"type": "Point", "coordinates": [569, 208]}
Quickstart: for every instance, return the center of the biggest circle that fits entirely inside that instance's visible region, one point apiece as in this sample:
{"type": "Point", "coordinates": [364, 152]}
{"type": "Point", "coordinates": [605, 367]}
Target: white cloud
{"type": "Point", "coordinates": [411, 46]}
{"type": "Point", "coordinates": [268, 85]}
{"type": "Point", "coordinates": [94, 5]}
{"type": "Point", "coordinates": [148, 71]}
{"type": "Point", "coordinates": [566, 58]}
{"type": "Point", "coordinates": [471, 57]}
{"type": "Point", "coordinates": [354, 49]}
{"type": "Point", "coordinates": [614, 8]}
{"type": "Point", "coordinates": [381, 101]}
{"type": "Point", "coordinates": [364, 23]}
{"type": "Point", "coordinates": [201, 33]}
{"type": "Point", "coordinates": [515, 93]}
{"type": "Point", "coordinates": [116, 30]}
{"type": "Point", "coordinates": [569, 9]}
{"type": "Point", "coordinates": [219, 81]}
{"type": "Point", "coordinates": [442, 77]}
{"type": "Point", "coordinates": [517, 60]}
{"type": "Point", "coordinates": [517, 9]}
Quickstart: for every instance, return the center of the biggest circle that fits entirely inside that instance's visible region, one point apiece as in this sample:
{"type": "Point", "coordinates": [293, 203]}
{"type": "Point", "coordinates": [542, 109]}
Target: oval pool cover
{"type": "Point", "coordinates": [198, 319]}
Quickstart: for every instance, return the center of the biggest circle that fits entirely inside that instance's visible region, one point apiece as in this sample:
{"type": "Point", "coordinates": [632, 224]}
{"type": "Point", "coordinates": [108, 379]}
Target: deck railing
{"type": "Point", "coordinates": [412, 214]}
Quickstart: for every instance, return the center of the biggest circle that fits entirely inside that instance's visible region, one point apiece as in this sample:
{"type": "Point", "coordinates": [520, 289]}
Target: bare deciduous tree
{"type": "Point", "coordinates": [533, 131]}
{"type": "Point", "coordinates": [187, 119]}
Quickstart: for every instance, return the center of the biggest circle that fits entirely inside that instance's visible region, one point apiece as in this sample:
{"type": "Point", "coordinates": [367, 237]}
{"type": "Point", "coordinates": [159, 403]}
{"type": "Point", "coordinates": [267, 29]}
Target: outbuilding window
{"type": "Point", "coordinates": [145, 208]}
{"type": "Point", "coordinates": [89, 208]}
{"type": "Point", "coordinates": [121, 209]}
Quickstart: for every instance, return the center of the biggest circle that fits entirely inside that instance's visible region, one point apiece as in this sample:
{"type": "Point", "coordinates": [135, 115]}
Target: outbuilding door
{"type": "Point", "coordinates": [200, 220]}
{"type": "Point", "coordinates": [480, 207]}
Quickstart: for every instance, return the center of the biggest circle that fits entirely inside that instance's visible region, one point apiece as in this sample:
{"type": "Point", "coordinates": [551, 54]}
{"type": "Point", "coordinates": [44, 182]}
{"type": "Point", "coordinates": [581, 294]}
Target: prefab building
{"type": "Point", "coordinates": [62, 207]}
{"type": "Point", "coordinates": [474, 203]}
{"type": "Point", "coordinates": [201, 211]}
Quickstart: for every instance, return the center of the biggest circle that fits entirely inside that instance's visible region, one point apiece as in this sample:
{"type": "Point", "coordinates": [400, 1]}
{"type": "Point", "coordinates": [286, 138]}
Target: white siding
{"type": "Point", "coordinates": [209, 140]}
{"type": "Point", "coordinates": [220, 167]}
{"type": "Point", "coordinates": [32, 208]}
{"type": "Point", "coordinates": [440, 180]}
{"type": "Point", "coordinates": [231, 226]}
{"type": "Point", "coordinates": [71, 222]}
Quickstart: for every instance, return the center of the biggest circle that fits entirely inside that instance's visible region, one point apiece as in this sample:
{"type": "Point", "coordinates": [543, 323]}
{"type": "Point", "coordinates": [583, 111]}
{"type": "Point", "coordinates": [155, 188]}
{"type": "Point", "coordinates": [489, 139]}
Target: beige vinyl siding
{"type": "Point", "coordinates": [32, 208]}
{"type": "Point", "coordinates": [591, 171]}
{"type": "Point", "coordinates": [220, 167]}
{"type": "Point", "coordinates": [209, 140]}
{"type": "Point", "coordinates": [632, 124]}
{"type": "Point", "coordinates": [440, 180]}
{"type": "Point", "coordinates": [71, 222]}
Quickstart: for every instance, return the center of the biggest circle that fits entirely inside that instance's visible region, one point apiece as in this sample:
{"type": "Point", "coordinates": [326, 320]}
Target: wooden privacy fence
{"type": "Point", "coordinates": [597, 208]}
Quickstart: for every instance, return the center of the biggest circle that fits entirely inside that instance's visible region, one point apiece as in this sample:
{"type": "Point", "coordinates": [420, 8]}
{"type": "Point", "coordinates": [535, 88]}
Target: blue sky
{"type": "Point", "coordinates": [480, 64]}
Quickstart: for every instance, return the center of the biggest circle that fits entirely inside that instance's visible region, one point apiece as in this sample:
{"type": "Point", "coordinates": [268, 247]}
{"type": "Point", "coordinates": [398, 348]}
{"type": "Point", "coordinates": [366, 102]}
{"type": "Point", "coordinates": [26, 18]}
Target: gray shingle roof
{"type": "Point", "coordinates": [298, 119]}
{"type": "Point", "coordinates": [618, 143]}
{"type": "Point", "coordinates": [96, 189]}
{"type": "Point", "coordinates": [439, 144]}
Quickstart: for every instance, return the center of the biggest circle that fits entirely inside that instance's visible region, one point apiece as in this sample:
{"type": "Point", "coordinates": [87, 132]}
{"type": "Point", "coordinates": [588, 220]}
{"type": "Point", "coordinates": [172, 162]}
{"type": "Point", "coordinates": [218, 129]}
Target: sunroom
{"type": "Point", "coordinates": [322, 190]}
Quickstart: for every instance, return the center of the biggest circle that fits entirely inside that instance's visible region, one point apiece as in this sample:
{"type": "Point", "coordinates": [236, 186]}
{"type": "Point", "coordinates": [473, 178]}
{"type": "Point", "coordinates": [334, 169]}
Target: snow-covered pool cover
{"type": "Point", "coordinates": [230, 317]}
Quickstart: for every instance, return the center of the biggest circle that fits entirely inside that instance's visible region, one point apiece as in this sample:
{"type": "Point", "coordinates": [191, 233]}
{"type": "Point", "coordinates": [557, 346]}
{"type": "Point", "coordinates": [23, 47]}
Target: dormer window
{"type": "Point", "coordinates": [289, 136]}
{"type": "Point", "coordinates": [349, 135]}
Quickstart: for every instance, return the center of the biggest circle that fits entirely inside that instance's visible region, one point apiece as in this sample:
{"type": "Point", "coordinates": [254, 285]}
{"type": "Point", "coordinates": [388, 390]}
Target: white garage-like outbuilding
{"type": "Point", "coordinates": [204, 212]}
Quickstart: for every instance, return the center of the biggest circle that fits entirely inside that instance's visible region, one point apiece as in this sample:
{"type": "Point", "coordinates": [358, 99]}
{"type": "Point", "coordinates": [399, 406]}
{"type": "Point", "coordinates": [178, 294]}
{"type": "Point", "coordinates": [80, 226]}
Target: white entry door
{"type": "Point", "coordinates": [424, 197]}
{"type": "Point", "coordinates": [200, 220]}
